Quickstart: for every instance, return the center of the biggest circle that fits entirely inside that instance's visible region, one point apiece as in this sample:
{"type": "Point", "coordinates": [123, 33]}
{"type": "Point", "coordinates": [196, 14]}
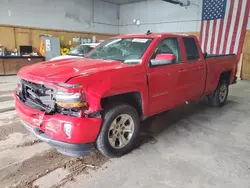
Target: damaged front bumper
{"type": "Point", "coordinates": [50, 128]}
{"type": "Point", "coordinates": [62, 147]}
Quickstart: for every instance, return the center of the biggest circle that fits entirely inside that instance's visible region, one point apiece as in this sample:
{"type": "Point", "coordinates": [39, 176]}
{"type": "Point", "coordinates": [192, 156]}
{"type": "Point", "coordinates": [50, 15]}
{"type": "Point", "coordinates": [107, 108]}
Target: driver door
{"type": "Point", "coordinates": [165, 91]}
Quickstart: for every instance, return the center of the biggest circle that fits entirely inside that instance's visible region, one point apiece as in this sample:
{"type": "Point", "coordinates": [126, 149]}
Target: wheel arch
{"type": "Point", "coordinates": [132, 98]}
{"type": "Point", "coordinates": [225, 76]}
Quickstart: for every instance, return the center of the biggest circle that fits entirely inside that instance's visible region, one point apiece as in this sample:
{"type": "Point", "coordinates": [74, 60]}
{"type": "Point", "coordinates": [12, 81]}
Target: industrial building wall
{"type": "Point", "coordinates": [160, 16]}
{"type": "Point", "coordinates": [74, 15]}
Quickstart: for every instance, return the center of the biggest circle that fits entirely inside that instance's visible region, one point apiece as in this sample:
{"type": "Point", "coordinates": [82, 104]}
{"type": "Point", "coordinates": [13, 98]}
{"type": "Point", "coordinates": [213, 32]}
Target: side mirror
{"type": "Point", "coordinates": [163, 59]}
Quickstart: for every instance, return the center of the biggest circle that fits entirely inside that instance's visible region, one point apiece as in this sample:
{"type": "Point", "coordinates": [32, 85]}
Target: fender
{"type": "Point", "coordinates": [113, 82]}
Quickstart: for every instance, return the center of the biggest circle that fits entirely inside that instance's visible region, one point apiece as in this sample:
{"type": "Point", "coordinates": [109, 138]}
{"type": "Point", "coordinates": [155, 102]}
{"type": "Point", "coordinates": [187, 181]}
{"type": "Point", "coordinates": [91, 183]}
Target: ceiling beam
{"type": "Point", "coordinates": [120, 2]}
{"type": "Point", "coordinates": [178, 2]}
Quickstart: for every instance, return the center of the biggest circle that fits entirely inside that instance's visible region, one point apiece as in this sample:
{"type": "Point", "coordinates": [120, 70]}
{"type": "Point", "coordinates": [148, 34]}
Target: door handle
{"type": "Point", "coordinates": [181, 70]}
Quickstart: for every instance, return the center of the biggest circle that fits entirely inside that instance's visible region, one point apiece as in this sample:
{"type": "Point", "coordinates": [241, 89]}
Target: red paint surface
{"type": "Point", "coordinates": [161, 88]}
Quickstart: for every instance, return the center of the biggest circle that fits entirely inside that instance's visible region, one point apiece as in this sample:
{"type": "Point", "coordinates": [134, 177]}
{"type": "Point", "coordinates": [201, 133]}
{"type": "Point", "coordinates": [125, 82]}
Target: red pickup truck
{"type": "Point", "coordinates": [99, 100]}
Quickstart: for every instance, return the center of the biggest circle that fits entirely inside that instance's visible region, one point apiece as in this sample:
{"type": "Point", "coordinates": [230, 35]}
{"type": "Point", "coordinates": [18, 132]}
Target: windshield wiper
{"type": "Point", "coordinates": [105, 58]}
{"type": "Point", "coordinates": [74, 54]}
{"type": "Point", "coordinates": [132, 61]}
{"type": "Point", "coordinates": [114, 59]}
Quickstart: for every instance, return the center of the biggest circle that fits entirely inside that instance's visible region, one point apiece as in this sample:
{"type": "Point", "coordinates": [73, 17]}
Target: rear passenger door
{"type": "Point", "coordinates": [193, 72]}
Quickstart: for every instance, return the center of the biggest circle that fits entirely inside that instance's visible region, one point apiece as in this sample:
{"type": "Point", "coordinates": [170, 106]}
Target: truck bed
{"type": "Point", "coordinates": [220, 55]}
{"type": "Point", "coordinates": [216, 64]}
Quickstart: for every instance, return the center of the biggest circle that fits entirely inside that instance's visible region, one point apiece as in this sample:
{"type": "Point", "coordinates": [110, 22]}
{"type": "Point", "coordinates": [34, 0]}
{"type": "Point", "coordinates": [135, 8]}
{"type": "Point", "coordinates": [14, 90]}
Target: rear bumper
{"type": "Point", "coordinates": [50, 128]}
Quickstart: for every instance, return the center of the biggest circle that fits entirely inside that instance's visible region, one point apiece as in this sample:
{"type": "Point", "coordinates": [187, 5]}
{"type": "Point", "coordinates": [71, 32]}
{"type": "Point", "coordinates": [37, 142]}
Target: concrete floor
{"type": "Point", "coordinates": [7, 85]}
{"type": "Point", "coordinates": [197, 147]}
{"type": "Point", "coordinates": [193, 146]}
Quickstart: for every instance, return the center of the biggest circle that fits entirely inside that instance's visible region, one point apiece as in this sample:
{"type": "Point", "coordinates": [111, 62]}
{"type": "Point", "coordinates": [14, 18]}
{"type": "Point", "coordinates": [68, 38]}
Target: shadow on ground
{"type": "Point", "coordinates": [153, 126]}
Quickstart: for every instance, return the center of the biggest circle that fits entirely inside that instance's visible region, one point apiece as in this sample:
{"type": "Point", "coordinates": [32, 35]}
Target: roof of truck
{"type": "Point", "coordinates": [151, 35]}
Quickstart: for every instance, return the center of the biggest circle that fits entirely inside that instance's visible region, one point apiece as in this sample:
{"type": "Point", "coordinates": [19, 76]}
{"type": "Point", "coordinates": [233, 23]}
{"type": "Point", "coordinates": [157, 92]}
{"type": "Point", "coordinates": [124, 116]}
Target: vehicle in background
{"type": "Point", "coordinates": [99, 100]}
{"type": "Point", "coordinates": [77, 52]}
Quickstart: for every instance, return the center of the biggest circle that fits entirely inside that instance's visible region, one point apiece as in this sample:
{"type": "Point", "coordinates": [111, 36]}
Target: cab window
{"type": "Point", "coordinates": [191, 49]}
{"type": "Point", "coordinates": [168, 46]}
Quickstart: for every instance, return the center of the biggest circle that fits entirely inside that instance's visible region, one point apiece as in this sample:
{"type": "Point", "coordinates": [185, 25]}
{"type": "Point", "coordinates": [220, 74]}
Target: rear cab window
{"type": "Point", "coordinates": [191, 47]}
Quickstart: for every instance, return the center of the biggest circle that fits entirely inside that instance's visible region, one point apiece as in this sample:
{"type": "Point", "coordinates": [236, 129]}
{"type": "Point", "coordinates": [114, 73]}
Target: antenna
{"type": "Point", "coordinates": [149, 32]}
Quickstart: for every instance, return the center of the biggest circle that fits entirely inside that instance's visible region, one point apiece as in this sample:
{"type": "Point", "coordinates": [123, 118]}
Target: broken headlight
{"type": "Point", "coordinates": [19, 86]}
{"type": "Point", "coordinates": [70, 100]}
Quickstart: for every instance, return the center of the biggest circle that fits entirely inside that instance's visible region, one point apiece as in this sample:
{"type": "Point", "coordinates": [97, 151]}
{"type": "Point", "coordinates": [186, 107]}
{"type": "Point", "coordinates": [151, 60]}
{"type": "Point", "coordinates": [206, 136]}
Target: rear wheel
{"type": "Point", "coordinates": [119, 130]}
{"type": "Point", "coordinates": [219, 97]}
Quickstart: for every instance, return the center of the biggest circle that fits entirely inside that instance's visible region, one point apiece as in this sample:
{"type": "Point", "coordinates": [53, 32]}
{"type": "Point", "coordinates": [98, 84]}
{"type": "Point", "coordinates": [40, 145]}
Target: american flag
{"type": "Point", "coordinates": [224, 25]}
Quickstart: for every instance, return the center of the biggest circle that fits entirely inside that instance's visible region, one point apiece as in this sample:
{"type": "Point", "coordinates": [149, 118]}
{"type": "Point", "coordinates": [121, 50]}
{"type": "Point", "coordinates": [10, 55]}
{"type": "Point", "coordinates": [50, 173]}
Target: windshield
{"type": "Point", "coordinates": [122, 49]}
{"type": "Point", "coordinates": [80, 50]}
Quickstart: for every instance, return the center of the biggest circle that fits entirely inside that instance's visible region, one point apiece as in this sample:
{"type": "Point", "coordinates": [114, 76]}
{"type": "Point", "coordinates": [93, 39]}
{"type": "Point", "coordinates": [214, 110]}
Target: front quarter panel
{"type": "Point", "coordinates": [123, 79]}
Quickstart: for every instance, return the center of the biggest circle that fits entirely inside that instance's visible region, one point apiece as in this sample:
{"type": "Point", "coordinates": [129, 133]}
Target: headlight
{"type": "Point", "coordinates": [62, 96]}
{"type": "Point", "coordinates": [69, 85]}
{"type": "Point", "coordinates": [70, 100]}
{"type": "Point", "coordinates": [19, 85]}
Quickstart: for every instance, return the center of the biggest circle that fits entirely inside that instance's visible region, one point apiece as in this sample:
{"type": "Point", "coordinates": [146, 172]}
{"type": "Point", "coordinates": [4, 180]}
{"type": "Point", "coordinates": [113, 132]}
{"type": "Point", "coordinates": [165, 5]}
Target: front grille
{"type": "Point", "coordinates": [37, 96]}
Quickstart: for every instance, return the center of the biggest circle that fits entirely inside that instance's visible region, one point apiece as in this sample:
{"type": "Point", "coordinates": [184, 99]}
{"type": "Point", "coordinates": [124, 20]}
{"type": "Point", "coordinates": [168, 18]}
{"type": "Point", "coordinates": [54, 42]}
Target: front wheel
{"type": "Point", "coordinates": [219, 97]}
{"type": "Point", "coordinates": [119, 130]}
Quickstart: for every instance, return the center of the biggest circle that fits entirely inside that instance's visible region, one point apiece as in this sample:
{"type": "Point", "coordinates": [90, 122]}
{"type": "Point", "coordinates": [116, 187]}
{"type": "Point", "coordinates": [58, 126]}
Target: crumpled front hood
{"type": "Point", "coordinates": [63, 70]}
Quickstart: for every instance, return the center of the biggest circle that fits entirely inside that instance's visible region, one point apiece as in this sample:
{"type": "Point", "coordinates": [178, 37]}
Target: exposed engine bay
{"type": "Point", "coordinates": [42, 98]}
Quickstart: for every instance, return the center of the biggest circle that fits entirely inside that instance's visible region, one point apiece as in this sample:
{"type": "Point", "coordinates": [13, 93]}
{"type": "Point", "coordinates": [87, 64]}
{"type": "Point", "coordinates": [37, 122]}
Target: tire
{"type": "Point", "coordinates": [110, 141]}
{"type": "Point", "coordinates": [219, 97]}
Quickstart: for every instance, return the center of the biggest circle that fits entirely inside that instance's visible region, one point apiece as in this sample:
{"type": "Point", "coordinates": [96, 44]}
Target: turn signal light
{"type": "Point", "coordinates": [72, 104]}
